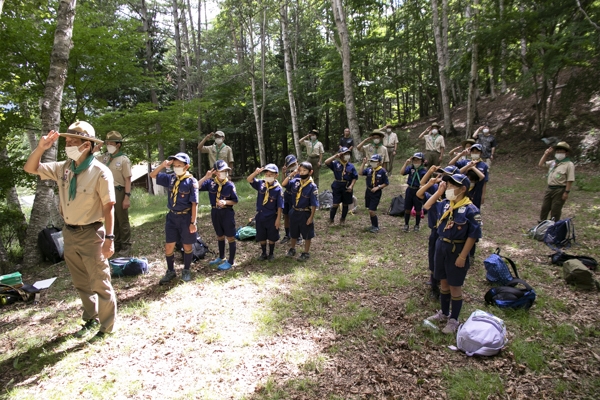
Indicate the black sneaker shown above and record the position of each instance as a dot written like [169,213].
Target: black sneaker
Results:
[87,328]
[406,228]
[169,276]
[291,253]
[98,337]
[186,275]
[304,257]
[270,257]
[285,240]
[416,229]
[262,257]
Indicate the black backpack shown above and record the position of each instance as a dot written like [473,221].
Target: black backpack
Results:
[510,296]
[9,294]
[397,206]
[559,258]
[126,266]
[199,249]
[50,243]
[560,235]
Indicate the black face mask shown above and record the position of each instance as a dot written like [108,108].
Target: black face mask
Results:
[445,178]
[304,176]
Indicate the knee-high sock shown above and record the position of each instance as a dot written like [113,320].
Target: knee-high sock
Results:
[271,248]
[457,303]
[332,213]
[221,248]
[187,259]
[374,221]
[445,301]
[232,248]
[171,262]
[263,248]
[418,218]
[344,211]
[406,217]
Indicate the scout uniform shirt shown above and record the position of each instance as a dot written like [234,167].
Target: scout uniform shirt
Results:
[414,175]
[218,152]
[434,142]
[390,139]
[380,178]
[463,223]
[314,149]
[120,167]
[341,173]
[560,172]
[186,194]
[476,192]
[95,188]
[268,208]
[380,149]
[309,195]
[227,192]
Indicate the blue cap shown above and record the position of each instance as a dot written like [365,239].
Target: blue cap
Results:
[450,170]
[461,179]
[476,147]
[221,165]
[181,157]
[343,150]
[272,168]
[290,159]
[418,155]
[376,157]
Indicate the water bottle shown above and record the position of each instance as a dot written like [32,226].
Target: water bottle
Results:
[430,325]
[8,299]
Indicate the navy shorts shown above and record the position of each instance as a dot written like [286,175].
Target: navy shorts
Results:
[372,199]
[445,260]
[433,237]
[411,200]
[298,225]
[177,229]
[287,205]
[223,220]
[265,229]
[340,194]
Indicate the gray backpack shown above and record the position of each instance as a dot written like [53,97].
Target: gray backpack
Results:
[539,231]
[483,334]
[576,273]
[325,200]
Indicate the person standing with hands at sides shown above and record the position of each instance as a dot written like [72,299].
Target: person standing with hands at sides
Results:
[86,196]
[458,227]
[305,197]
[218,151]
[375,147]
[434,144]
[413,167]
[561,175]
[269,203]
[346,140]
[120,166]
[390,141]
[180,224]
[342,187]
[487,142]
[314,152]
[377,179]
[222,197]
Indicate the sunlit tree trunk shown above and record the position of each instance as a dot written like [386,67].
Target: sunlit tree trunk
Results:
[472,99]
[178,58]
[441,49]
[503,85]
[12,200]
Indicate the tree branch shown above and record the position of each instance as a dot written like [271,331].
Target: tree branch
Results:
[587,16]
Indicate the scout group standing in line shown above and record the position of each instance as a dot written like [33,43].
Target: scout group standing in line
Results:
[94,201]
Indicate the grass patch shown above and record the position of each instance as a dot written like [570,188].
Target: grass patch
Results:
[470,383]
[529,352]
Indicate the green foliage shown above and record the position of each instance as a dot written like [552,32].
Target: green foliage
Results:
[471,383]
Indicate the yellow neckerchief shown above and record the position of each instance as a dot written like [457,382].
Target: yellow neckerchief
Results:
[176,186]
[302,186]
[220,184]
[374,173]
[343,168]
[453,206]
[267,186]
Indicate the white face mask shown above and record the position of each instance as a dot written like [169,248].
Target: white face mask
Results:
[417,164]
[434,131]
[376,141]
[111,149]
[218,140]
[560,156]
[269,179]
[486,131]
[475,156]
[388,130]
[179,171]
[312,137]
[374,164]
[347,157]
[223,175]
[451,194]
[73,152]
[293,168]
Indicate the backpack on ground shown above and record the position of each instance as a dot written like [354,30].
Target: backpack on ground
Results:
[497,270]
[510,296]
[325,200]
[539,231]
[246,233]
[125,266]
[575,273]
[559,258]
[397,206]
[51,244]
[483,334]
[560,235]
[24,292]
[199,249]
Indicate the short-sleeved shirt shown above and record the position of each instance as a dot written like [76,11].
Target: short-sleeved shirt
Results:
[432,215]
[414,175]
[487,142]
[274,202]
[371,149]
[390,139]
[346,141]
[434,142]
[560,173]
[222,152]
[119,166]
[341,173]
[314,149]
[309,195]
[187,192]
[381,177]
[466,222]
[476,192]
[95,188]
[227,191]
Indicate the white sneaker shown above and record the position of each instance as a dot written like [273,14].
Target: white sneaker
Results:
[438,317]
[451,327]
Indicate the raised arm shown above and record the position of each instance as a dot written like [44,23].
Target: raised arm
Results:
[542,162]
[33,161]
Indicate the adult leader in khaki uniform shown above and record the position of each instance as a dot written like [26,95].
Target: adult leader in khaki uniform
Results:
[561,175]
[314,152]
[434,144]
[86,196]
[120,166]
[375,147]
[218,151]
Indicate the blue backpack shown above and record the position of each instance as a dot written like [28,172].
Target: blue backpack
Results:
[560,235]
[124,266]
[510,296]
[497,270]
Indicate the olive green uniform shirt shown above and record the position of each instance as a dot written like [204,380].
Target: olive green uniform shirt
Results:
[119,166]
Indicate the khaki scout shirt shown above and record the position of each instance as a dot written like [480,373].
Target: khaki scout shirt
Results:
[95,189]
[390,140]
[560,174]
[119,166]
[222,152]
[434,142]
[314,149]
[370,149]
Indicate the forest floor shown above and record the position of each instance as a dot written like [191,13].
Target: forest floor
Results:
[345,325]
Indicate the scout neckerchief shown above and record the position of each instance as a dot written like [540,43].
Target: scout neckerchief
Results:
[453,206]
[76,170]
[312,144]
[556,163]
[218,150]
[373,176]
[220,184]
[302,186]
[267,186]
[416,175]
[343,168]
[113,156]
[175,190]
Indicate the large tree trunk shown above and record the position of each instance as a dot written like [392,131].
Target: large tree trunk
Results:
[50,114]
[472,99]
[1,5]
[257,113]
[178,58]
[340,23]
[441,47]
[12,200]
[503,86]
[283,12]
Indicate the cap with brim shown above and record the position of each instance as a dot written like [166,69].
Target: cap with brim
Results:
[377,132]
[562,145]
[114,136]
[476,146]
[449,170]
[468,141]
[460,180]
[290,159]
[82,130]
[376,157]
[343,150]
[435,125]
[419,155]
[220,134]
[313,132]
[272,168]
[184,158]
[221,165]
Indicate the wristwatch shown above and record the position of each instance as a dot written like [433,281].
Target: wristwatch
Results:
[194,223]
[109,237]
[127,194]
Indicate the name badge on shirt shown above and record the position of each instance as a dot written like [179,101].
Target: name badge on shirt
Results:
[462,210]
[66,175]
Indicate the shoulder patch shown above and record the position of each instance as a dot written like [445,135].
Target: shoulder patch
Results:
[462,210]
[477,217]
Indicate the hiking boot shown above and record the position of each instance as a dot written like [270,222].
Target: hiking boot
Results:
[451,327]
[304,257]
[374,229]
[270,257]
[124,252]
[217,261]
[87,327]
[291,253]
[99,337]
[169,276]
[186,275]
[438,317]
[285,240]
[225,266]
[263,257]
[416,229]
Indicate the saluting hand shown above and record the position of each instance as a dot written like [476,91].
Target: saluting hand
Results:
[48,140]
[209,174]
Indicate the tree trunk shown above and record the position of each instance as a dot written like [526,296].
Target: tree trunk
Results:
[524,67]
[440,43]
[178,58]
[491,73]
[12,200]
[283,12]
[472,99]
[256,111]
[199,87]
[185,41]
[340,23]
[503,86]
[1,5]
[50,115]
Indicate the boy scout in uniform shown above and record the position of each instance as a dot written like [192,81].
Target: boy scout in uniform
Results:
[120,166]
[434,144]
[413,167]
[375,147]
[561,175]
[218,151]
[344,178]
[314,152]
[377,179]
[87,195]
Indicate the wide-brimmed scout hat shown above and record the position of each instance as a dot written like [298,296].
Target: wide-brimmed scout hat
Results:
[343,150]
[314,132]
[114,136]
[376,157]
[460,180]
[562,145]
[181,157]
[435,125]
[221,165]
[272,168]
[377,132]
[82,130]
[220,134]
[470,142]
